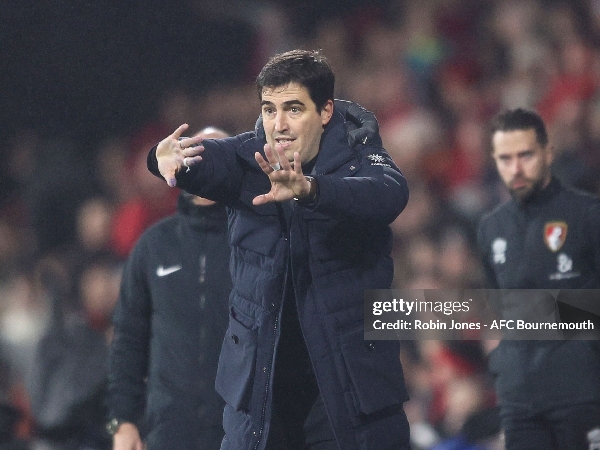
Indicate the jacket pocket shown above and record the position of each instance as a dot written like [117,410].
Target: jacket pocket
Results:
[235,373]
[375,372]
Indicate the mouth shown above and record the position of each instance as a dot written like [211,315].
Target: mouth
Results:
[285,142]
[519,184]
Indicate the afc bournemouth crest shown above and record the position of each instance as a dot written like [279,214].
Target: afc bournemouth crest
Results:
[555,234]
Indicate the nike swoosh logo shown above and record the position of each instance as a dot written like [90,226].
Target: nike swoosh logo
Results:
[162,271]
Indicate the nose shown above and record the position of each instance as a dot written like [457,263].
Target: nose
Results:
[280,122]
[517,167]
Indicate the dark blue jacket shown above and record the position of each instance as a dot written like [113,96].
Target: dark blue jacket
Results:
[337,247]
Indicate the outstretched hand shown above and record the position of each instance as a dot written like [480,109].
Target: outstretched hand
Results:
[175,153]
[287,182]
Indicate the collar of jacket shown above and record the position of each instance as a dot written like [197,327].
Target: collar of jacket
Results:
[206,218]
[334,149]
[542,197]
[549,191]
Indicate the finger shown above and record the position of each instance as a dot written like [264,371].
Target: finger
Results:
[168,166]
[180,129]
[190,161]
[285,164]
[190,142]
[169,177]
[262,199]
[192,151]
[259,200]
[297,163]
[264,165]
[268,150]
[271,155]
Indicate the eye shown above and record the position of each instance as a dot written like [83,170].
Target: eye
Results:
[527,155]
[295,109]
[267,110]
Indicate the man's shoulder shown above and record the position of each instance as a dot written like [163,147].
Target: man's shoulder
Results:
[492,225]
[249,143]
[249,138]
[235,149]
[156,232]
[579,197]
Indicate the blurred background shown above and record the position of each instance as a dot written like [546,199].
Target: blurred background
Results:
[88,87]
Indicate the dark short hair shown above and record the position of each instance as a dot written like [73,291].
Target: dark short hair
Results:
[306,67]
[520,119]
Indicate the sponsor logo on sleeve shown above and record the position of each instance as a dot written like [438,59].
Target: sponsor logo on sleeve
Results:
[378,160]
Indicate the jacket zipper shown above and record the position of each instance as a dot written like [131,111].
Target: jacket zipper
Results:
[285,232]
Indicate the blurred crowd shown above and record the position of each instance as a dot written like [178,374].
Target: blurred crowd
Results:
[433,71]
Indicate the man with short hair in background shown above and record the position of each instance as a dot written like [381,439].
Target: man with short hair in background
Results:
[546,237]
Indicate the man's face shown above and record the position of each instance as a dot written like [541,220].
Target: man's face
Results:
[291,120]
[523,164]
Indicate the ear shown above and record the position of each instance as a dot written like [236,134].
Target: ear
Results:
[327,112]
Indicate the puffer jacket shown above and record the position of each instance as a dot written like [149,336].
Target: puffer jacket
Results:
[338,246]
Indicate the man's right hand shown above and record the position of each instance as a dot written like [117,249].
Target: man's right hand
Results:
[127,437]
[287,182]
[175,153]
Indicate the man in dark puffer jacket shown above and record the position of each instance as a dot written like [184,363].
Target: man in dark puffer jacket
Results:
[309,230]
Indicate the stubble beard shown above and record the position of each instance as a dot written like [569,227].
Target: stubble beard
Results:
[525,195]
